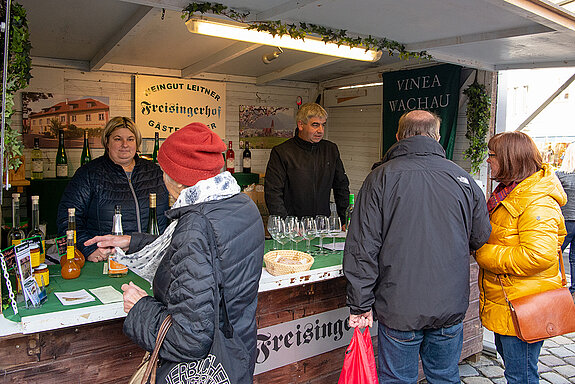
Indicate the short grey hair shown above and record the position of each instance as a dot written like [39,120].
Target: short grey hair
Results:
[309,110]
[419,122]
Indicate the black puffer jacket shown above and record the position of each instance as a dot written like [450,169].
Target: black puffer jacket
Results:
[100,185]
[407,251]
[184,282]
[300,176]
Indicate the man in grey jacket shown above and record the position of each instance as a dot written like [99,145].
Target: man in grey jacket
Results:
[416,219]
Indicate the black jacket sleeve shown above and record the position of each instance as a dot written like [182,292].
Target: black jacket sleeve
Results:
[189,300]
[340,188]
[275,185]
[362,247]
[481,226]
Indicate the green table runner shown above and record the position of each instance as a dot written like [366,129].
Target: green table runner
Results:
[91,277]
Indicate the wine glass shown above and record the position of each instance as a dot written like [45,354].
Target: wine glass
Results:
[334,229]
[322,226]
[296,231]
[291,227]
[273,229]
[309,230]
[282,235]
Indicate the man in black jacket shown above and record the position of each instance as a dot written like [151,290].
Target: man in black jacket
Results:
[416,218]
[302,171]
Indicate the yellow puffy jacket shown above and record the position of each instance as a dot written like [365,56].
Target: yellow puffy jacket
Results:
[528,230]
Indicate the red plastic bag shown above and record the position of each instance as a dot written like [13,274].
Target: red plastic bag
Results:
[359,361]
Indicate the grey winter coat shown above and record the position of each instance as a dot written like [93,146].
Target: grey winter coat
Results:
[416,218]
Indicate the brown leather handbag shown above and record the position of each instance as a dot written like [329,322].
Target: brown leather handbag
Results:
[146,371]
[543,315]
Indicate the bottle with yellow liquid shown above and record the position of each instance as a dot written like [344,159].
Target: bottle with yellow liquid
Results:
[36,231]
[70,269]
[116,269]
[16,234]
[79,256]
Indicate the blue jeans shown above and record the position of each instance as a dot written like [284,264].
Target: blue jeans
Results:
[399,351]
[570,239]
[520,359]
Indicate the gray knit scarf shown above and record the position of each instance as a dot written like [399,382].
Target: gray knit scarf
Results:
[145,262]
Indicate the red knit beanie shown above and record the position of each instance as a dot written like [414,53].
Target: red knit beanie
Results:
[191,154]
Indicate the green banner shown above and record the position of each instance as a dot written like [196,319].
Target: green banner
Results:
[434,89]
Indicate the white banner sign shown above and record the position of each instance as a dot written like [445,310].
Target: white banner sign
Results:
[166,104]
[296,340]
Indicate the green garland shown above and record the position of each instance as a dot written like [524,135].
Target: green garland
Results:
[478,116]
[301,30]
[19,67]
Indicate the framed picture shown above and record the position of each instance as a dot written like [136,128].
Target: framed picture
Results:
[44,114]
[265,127]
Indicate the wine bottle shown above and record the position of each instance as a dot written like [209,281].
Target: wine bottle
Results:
[16,234]
[86,155]
[36,231]
[156,147]
[230,158]
[70,268]
[153,228]
[349,210]
[247,159]
[37,161]
[61,158]
[72,221]
[116,269]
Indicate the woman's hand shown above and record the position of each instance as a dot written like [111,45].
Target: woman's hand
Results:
[132,293]
[106,246]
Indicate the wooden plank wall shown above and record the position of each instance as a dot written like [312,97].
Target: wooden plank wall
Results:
[119,87]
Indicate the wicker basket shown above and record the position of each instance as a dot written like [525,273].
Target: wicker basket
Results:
[285,261]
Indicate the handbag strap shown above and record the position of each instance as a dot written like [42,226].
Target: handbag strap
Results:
[150,373]
[563,278]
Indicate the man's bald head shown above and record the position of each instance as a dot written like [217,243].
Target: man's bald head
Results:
[418,122]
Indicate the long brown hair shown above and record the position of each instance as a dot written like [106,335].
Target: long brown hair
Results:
[517,156]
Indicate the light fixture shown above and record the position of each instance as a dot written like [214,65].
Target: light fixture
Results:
[237,31]
[272,56]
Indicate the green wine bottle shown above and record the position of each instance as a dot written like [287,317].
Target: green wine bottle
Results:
[152,218]
[61,158]
[156,148]
[37,161]
[86,155]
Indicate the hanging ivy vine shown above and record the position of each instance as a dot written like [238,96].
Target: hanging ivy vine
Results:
[478,116]
[18,77]
[301,30]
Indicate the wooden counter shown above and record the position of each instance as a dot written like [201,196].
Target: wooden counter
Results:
[88,346]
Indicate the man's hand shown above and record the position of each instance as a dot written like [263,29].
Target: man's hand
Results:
[132,293]
[363,320]
[99,254]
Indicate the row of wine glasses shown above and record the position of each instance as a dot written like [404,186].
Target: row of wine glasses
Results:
[306,228]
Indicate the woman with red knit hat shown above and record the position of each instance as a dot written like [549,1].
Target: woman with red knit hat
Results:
[216,233]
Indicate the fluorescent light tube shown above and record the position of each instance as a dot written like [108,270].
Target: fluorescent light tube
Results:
[310,44]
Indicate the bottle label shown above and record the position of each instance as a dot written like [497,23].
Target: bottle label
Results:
[16,241]
[247,162]
[70,252]
[116,268]
[37,165]
[62,170]
[230,163]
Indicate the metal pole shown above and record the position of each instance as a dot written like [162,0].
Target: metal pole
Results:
[4,85]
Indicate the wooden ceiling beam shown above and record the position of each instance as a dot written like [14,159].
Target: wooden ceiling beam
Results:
[129,30]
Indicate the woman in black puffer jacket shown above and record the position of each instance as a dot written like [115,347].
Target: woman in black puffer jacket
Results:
[119,177]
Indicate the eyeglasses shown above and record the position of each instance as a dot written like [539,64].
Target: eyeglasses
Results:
[491,154]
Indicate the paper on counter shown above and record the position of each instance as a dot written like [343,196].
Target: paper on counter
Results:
[329,245]
[107,294]
[74,297]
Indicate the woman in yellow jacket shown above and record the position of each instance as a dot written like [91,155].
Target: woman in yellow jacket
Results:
[522,252]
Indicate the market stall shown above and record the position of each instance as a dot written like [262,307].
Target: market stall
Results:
[84,343]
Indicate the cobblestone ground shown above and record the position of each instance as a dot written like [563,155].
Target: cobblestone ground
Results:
[556,364]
